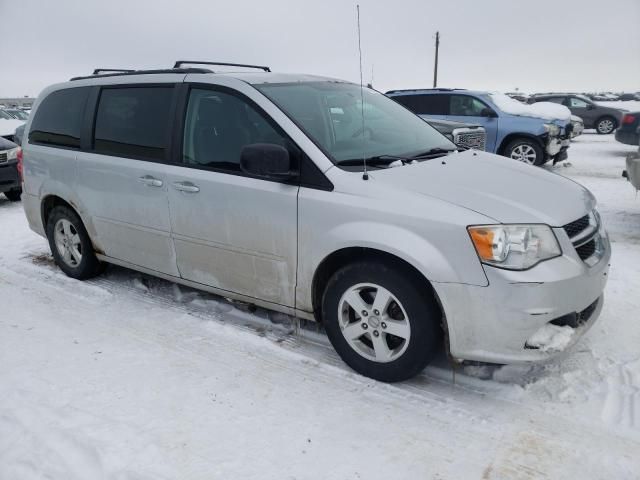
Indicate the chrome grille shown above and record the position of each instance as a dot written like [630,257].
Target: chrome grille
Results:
[3,157]
[470,138]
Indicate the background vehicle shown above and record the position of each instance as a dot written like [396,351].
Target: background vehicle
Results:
[628,132]
[8,125]
[604,119]
[260,194]
[521,97]
[578,126]
[629,96]
[513,129]
[464,135]
[17,113]
[9,173]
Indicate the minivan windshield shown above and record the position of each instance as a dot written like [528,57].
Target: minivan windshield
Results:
[330,113]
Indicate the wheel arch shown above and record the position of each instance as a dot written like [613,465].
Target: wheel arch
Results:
[513,136]
[339,258]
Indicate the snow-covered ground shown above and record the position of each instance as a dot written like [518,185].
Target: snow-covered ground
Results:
[127,377]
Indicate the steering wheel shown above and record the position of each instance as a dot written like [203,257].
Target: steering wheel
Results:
[362,130]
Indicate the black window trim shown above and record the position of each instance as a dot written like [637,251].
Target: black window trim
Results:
[321,181]
[92,115]
[82,127]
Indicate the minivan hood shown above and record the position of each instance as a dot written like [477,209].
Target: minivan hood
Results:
[498,187]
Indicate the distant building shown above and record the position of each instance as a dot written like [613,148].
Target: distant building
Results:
[22,102]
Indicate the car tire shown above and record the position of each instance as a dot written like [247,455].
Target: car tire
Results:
[525,150]
[606,125]
[70,244]
[13,195]
[361,334]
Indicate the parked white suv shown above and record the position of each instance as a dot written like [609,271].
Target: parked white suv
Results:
[252,186]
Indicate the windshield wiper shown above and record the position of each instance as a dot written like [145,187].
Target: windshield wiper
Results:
[377,161]
[385,160]
[433,153]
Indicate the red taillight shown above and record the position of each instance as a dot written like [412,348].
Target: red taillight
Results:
[19,165]
[628,119]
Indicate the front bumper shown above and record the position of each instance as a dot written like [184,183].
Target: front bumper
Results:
[493,323]
[9,177]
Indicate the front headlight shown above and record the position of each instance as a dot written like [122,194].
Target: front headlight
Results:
[514,247]
[552,130]
[12,154]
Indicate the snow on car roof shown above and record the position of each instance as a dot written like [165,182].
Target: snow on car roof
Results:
[546,110]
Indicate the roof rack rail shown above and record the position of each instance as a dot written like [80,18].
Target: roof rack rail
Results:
[98,71]
[179,63]
[144,72]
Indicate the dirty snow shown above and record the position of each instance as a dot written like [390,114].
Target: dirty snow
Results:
[552,338]
[128,377]
[545,110]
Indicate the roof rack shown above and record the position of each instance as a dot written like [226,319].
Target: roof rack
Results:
[426,89]
[179,63]
[98,71]
[143,72]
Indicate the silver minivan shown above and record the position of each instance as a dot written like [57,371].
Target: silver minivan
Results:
[253,186]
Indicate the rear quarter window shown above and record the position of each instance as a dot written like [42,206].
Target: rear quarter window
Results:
[58,120]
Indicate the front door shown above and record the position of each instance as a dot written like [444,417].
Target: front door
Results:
[231,231]
[582,109]
[467,109]
[122,183]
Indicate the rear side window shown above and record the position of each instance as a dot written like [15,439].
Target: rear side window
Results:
[424,104]
[58,120]
[133,122]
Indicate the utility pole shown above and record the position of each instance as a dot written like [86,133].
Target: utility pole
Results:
[435,67]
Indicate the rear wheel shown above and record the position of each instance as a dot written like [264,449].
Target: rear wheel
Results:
[13,195]
[70,244]
[525,150]
[380,321]
[605,125]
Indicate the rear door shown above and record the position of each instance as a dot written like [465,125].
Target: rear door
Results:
[232,231]
[468,109]
[122,179]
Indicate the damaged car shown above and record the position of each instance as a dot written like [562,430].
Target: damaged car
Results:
[515,130]
[378,226]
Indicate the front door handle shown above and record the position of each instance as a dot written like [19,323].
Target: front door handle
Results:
[186,187]
[150,181]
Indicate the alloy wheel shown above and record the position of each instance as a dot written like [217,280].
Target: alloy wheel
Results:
[524,153]
[374,322]
[606,126]
[68,242]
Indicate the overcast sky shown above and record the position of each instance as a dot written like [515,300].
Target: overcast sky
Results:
[533,45]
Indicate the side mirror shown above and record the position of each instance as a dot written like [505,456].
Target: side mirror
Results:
[590,106]
[488,112]
[266,160]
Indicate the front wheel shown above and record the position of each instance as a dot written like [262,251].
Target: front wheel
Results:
[382,323]
[605,125]
[525,150]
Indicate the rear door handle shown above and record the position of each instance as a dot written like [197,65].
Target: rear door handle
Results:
[150,181]
[186,187]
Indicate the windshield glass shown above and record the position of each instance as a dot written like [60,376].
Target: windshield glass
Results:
[330,113]
[5,115]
